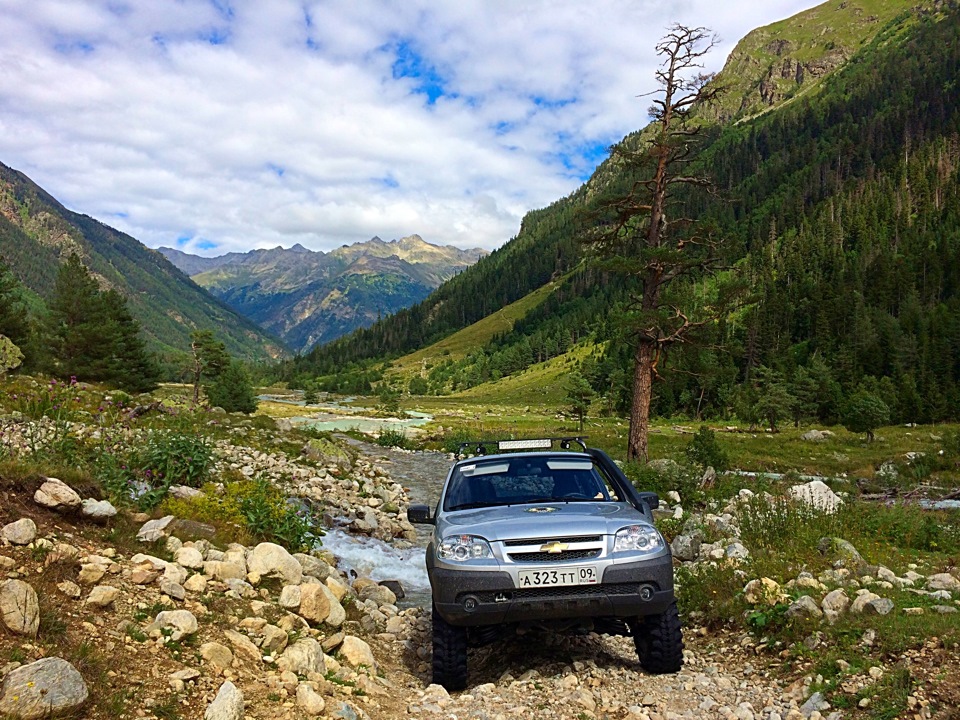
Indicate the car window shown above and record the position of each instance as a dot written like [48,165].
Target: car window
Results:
[525,479]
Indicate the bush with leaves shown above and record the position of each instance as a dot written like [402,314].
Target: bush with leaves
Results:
[704,450]
[232,390]
[864,413]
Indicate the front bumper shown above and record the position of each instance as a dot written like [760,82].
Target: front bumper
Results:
[468,597]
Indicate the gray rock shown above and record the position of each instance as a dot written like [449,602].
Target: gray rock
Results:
[21,532]
[943,581]
[274,639]
[736,551]
[860,602]
[878,606]
[102,596]
[309,700]
[817,494]
[944,609]
[686,547]
[846,554]
[804,607]
[834,605]
[357,652]
[312,566]
[815,435]
[181,622]
[173,589]
[50,687]
[302,658]
[184,492]
[395,587]
[98,510]
[815,702]
[218,656]
[290,597]
[19,607]
[154,530]
[189,557]
[57,495]
[227,705]
[271,560]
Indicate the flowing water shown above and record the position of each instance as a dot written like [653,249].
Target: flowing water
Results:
[422,474]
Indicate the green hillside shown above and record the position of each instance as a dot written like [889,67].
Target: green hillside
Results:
[37,232]
[840,209]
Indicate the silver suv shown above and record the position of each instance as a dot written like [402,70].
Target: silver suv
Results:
[539,534]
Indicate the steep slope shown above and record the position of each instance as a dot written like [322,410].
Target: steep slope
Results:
[307,297]
[37,232]
[839,207]
[547,246]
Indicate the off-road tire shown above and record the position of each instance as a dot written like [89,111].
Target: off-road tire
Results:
[659,641]
[449,654]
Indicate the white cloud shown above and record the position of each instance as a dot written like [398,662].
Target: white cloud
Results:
[239,123]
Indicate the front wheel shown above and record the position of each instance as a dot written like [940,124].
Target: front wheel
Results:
[449,654]
[659,641]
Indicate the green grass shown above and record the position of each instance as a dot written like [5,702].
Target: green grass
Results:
[465,341]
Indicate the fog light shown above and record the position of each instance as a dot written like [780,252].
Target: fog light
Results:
[470,604]
[646,592]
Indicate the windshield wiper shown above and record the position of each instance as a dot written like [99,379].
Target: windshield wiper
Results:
[472,506]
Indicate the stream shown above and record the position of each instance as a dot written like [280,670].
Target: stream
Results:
[422,473]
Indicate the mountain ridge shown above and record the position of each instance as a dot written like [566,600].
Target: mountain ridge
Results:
[306,296]
[37,232]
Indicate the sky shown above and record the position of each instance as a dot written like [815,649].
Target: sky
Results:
[226,125]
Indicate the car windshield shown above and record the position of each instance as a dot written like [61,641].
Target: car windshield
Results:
[524,479]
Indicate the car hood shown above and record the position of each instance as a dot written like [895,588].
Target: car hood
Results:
[544,520]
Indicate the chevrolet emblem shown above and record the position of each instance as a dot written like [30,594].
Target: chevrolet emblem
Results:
[554,548]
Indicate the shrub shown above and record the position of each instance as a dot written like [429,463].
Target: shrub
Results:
[169,459]
[254,510]
[704,450]
[390,437]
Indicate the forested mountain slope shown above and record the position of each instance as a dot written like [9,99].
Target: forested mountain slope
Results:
[841,208]
[37,233]
[305,297]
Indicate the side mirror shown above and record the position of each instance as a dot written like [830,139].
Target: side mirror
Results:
[651,499]
[419,514]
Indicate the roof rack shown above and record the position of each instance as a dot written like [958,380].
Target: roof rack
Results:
[482,447]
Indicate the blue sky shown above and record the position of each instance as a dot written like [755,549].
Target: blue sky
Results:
[225,125]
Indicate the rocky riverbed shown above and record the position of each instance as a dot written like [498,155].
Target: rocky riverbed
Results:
[109,615]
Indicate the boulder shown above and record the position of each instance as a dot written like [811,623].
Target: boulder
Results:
[50,687]
[290,597]
[102,596]
[309,700]
[57,495]
[302,658]
[313,566]
[315,602]
[834,605]
[943,581]
[860,602]
[356,653]
[686,547]
[154,530]
[243,646]
[218,656]
[181,622]
[272,560]
[804,607]
[21,532]
[817,494]
[878,606]
[845,553]
[227,705]
[189,557]
[274,639]
[764,591]
[19,607]
[195,584]
[98,510]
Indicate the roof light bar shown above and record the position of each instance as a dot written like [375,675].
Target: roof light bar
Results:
[545,443]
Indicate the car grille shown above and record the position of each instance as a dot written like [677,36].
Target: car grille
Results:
[545,557]
[578,591]
[544,541]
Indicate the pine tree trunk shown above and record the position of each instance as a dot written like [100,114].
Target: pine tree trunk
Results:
[644,360]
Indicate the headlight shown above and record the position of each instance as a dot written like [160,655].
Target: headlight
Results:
[463,547]
[638,538]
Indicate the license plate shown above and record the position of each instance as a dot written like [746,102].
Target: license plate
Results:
[584,575]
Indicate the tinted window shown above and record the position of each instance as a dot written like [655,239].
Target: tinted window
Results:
[525,479]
